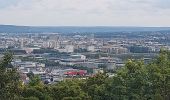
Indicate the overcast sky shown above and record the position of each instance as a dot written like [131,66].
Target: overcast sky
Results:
[85,12]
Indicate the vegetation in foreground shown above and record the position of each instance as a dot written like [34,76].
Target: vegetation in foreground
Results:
[135,81]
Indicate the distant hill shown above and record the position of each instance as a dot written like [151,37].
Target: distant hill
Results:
[74,29]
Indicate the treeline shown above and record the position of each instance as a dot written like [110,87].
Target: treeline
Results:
[135,81]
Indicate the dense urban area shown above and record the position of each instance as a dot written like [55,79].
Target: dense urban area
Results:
[85,66]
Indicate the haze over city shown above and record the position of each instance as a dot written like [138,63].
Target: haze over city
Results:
[85,12]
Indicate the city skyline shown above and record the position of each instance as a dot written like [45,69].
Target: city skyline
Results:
[85,12]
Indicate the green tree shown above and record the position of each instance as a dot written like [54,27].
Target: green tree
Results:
[68,90]
[129,82]
[35,81]
[95,86]
[9,84]
[139,81]
[159,76]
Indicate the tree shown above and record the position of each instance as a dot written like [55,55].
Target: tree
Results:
[9,84]
[159,76]
[139,81]
[69,90]
[95,86]
[134,81]
[35,81]
[128,83]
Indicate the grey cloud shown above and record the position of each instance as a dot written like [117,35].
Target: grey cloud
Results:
[88,12]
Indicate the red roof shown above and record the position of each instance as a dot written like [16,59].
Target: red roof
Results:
[80,72]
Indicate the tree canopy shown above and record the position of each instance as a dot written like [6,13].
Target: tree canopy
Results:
[135,81]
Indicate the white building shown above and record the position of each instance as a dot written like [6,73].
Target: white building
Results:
[91,48]
[69,48]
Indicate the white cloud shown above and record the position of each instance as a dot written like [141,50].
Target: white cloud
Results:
[88,12]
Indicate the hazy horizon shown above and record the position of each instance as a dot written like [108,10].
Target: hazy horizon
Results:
[130,26]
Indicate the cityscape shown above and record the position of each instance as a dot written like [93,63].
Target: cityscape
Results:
[84,50]
[59,56]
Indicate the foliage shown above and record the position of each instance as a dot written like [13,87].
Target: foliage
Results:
[35,81]
[135,81]
[9,79]
[69,90]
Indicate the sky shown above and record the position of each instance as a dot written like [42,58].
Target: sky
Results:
[85,12]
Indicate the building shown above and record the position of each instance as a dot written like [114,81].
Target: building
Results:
[69,48]
[91,48]
[114,49]
[26,67]
[73,59]
[107,62]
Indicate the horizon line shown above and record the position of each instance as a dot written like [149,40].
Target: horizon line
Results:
[84,26]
